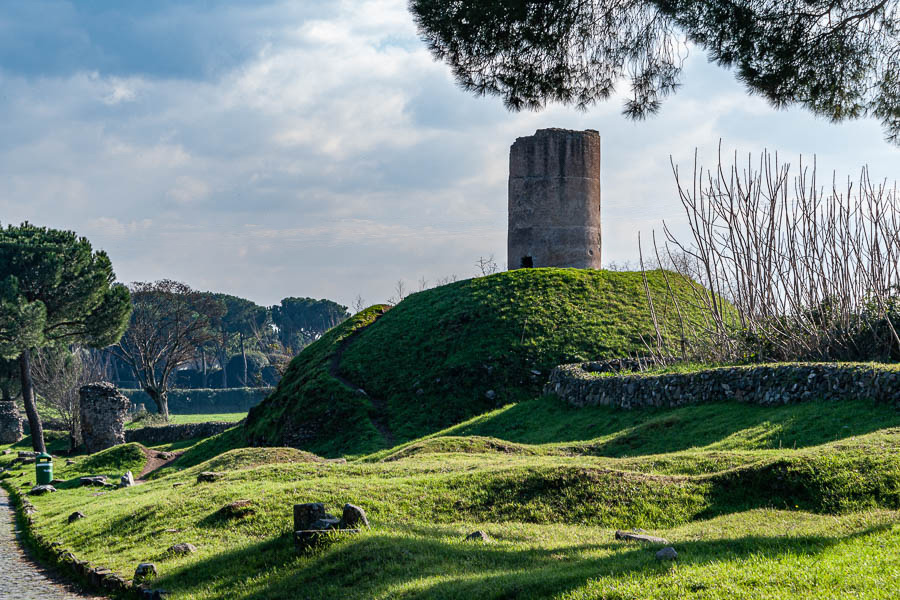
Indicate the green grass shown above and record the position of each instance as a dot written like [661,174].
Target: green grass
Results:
[788,502]
[203,418]
[312,410]
[447,354]
[750,515]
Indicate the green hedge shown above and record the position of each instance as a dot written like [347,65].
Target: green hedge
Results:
[204,401]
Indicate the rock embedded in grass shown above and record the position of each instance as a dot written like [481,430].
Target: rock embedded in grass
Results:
[75,516]
[478,536]
[127,480]
[667,553]
[353,517]
[236,510]
[145,572]
[630,536]
[94,480]
[40,490]
[209,476]
[182,549]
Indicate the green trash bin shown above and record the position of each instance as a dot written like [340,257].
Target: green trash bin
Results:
[43,468]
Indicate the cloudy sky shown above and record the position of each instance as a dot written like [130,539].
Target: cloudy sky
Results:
[314,148]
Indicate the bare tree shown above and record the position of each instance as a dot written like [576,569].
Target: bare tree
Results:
[487,266]
[170,320]
[399,293]
[789,269]
[59,373]
[359,303]
[446,279]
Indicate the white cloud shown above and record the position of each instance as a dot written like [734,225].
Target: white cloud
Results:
[336,157]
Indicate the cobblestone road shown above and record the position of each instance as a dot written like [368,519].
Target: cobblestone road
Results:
[21,579]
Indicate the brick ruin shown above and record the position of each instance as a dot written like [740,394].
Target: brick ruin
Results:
[554,200]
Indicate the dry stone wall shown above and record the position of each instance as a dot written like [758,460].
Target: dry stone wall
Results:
[167,434]
[10,423]
[103,414]
[584,385]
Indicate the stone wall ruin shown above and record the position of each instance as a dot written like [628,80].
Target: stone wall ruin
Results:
[554,200]
[103,414]
[769,385]
[10,423]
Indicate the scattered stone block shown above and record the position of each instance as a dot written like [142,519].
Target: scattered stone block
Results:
[209,477]
[667,553]
[329,522]
[353,517]
[127,480]
[93,480]
[182,549]
[478,536]
[145,572]
[313,526]
[114,582]
[40,490]
[69,462]
[236,510]
[631,536]
[307,514]
[76,516]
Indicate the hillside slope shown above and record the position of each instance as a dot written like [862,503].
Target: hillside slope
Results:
[446,354]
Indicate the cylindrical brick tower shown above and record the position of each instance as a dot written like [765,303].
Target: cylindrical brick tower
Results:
[554,200]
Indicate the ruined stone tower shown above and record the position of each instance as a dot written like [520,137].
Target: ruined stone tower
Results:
[554,200]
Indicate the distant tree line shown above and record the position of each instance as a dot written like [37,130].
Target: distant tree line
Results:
[179,337]
[64,322]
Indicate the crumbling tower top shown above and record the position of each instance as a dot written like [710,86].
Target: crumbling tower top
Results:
[554,200]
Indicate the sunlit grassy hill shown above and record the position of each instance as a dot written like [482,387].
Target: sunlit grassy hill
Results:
[447,354]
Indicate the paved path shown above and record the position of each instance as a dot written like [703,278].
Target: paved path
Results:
[20,578]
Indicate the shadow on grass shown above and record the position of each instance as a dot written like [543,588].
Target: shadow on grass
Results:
[427,565]
[653,431]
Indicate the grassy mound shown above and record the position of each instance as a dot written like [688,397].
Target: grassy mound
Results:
[446,354]
[244,458]
[113,462]
[469,445]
